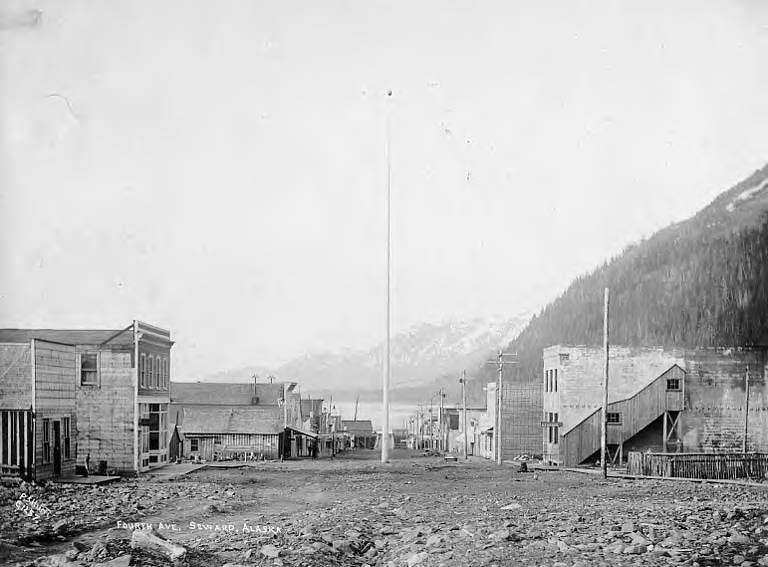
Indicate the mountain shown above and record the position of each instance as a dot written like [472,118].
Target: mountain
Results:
[698,283]
[420,357]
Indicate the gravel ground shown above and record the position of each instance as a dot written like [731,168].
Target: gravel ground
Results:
[414,511]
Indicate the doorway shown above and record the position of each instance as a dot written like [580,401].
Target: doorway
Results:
[57,448]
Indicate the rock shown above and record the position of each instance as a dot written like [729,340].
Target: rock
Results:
[343,545]
[59,560]
[635,549]
[417,558]
[150,540]
[739,539]
[628,527]
[270,551]
[122,561]
[435,539]
[739,559]
[512,506]
[60,526]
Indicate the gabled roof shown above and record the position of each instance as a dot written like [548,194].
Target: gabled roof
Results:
[212,393]
[250,420]
[359,426]
[269,394]
[68,336]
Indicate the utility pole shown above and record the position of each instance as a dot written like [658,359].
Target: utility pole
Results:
[500,362]
[746,408]
[440,417]
[463,381]
[604,412]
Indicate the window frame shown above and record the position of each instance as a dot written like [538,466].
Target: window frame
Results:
[66,430]
[194,445]
[96,372]
[678,388]
[46,440]
[143,370]
[616,421]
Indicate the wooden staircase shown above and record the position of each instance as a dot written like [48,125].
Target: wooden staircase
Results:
[637,412]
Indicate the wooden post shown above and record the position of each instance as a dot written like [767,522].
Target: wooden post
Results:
[604,412]
[498,408]
[665,433]
[464,410]
[746,408]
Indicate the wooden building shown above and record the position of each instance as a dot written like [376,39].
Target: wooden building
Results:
[247,410]
[665,400]
[361,433]
[37,407]
[122,378]
[223,433]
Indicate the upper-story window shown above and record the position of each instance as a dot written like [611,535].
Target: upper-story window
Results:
[613,417]
[89,368]
[673,384]
[143,371]
[151,362]
[555,380]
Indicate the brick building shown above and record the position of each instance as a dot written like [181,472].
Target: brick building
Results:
[659,399]
[121,393]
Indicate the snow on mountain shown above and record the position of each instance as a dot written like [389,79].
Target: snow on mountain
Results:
[419,355]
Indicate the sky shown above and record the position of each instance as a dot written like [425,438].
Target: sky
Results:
[219,169]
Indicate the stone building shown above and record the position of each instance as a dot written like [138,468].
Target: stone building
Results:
[662,400]
[122,379]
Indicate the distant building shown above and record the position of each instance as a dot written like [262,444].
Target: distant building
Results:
[238,420]
[664,400]
[361,433]
[121,394]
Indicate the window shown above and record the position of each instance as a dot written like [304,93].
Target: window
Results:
[167,373]
[46,440]
[65,424]
[556,432]
[613,418]
[193,446]
[143,371]
[89,368]
[673,384]
[555,381]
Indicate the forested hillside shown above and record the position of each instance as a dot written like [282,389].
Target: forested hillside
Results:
[702,282]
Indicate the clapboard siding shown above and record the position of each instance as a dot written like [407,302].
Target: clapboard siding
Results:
[55,400]
[16,371]
[210,445]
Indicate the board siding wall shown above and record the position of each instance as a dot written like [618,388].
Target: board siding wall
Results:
[55,398]
[105,413]
[16,372]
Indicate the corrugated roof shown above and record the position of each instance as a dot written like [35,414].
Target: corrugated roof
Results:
[253,420]
[67,336]
[228,394]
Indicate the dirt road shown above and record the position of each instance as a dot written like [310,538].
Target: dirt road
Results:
[414,511]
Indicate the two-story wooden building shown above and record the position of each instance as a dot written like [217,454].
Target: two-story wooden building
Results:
[121,392]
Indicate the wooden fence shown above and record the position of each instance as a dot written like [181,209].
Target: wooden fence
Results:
[699,465]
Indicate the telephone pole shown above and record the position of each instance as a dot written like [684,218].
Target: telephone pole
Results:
[463,381]
[746,408]
[500,362]
[604,412]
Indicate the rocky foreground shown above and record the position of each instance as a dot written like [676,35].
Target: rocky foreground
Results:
[416,511]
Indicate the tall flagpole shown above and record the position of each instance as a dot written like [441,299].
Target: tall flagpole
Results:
[385,377]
